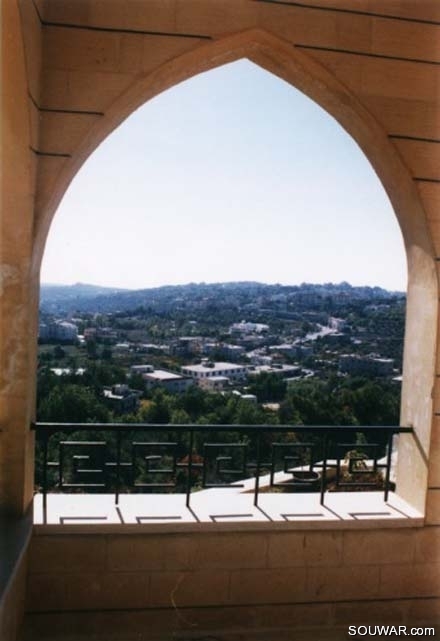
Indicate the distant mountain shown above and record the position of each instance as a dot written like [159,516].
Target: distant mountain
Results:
[72,294]
[62,299]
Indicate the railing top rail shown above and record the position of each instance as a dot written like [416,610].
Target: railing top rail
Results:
[45,427]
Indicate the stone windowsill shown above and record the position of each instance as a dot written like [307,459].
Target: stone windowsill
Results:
[221,509]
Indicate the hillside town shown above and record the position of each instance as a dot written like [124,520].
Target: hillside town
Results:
[226,340]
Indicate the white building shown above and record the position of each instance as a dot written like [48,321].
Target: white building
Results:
[339,324]
[288,349]
[366,365]
[121,398]
[214,383]
[283,371]
[207,369]
[170,381]
[62,331]
[248,328]
[141,369]
[67,371]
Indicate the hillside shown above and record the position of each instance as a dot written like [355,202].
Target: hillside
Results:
[59,299]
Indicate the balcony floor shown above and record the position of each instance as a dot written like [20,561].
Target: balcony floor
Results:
[224,509]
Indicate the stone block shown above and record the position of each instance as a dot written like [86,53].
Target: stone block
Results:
[83,90]
[72,11]
[54,89]
[405,39]
[382,77]
[67,554]
[434,454]
[427,545]
[150,552]
[436,399]
[186,589]
[378,547]
[268,586]
[296,25]
[155,15]
[418,580]
[33,40]
[423,612]
[231,550]
[108,625]
[217,618]
[292,615]
[109,591]
[409,117]
[131,47]
[335,30]
[421,158]
[399,79]
[346,68]
[369,613]
[214,19]
[433,507]
[406,9]
[46,592]
[153,55]
[430,195]
[96,91]
[305,549]
[49,170]
[80,49]
[342,584]
[63,132]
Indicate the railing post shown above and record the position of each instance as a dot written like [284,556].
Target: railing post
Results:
[188,484]
[257,471]
[388,472]
[45,455]
[118,466]
[324,467]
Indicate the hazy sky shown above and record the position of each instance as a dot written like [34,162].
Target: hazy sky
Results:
[232,175]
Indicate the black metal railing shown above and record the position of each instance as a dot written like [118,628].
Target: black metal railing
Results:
[147,458]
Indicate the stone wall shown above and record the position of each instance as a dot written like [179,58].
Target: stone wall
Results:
[131,585]
[82,67]
[12,605]
[75,69]
[14,541]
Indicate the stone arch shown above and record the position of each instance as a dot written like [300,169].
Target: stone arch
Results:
[296,67]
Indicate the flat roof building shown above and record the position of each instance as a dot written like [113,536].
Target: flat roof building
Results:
[169,380]
[208,369]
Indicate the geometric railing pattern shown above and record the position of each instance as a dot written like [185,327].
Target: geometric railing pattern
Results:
[119,458]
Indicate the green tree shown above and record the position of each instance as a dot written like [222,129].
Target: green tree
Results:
[92,351]
[180,417]
[158,409]
[72,403]
[59,353]
[268,387]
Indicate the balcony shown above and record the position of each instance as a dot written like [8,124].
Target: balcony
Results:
[187,475]
[160,531]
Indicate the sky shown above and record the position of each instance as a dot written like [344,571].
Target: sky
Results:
[231,175]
